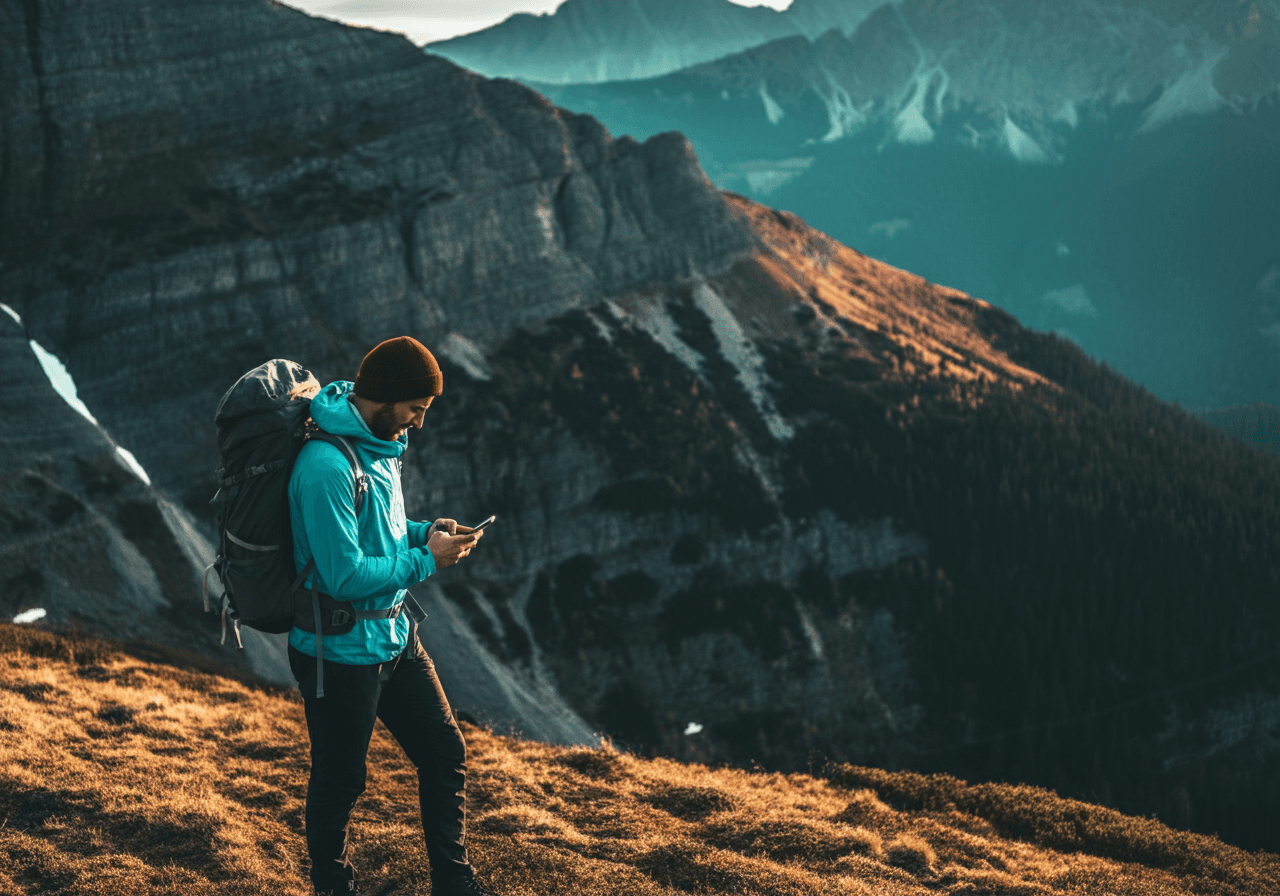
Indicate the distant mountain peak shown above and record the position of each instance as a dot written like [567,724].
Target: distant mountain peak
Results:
[591,41]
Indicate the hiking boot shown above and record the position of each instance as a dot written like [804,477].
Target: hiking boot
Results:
[463,885]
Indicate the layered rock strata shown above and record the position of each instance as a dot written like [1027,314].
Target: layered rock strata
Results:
[166,227]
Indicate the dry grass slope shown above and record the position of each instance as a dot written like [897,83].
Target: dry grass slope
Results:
[123,775]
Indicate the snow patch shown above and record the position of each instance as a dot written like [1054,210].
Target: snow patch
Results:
[811,633]
[843,116]
[1192,94]
[889,228]
[601,327]
[766,175]
[910,125]
[30,616]
[546,217]
[772,110]
[654,320]
[463,352]
[1067,114]
[745,453]
[741,352]
[131,463]
[693,728]
[61,380]
[1020,144]
[9,311]
[942,92]
[1073,300]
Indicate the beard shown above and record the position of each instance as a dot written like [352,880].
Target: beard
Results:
[384,424]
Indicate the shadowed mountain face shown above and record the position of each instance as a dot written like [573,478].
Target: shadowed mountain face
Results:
[164,228]
[81,536]
[1101,170]
[586,41]
[760,498]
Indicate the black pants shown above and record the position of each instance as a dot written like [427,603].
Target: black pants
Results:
[406,694]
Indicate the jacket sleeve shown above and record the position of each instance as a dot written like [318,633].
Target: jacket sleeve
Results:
[329,517]
[418,533]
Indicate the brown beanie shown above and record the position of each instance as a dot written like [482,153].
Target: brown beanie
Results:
[399,369]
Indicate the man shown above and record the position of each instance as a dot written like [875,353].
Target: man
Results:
[377,669]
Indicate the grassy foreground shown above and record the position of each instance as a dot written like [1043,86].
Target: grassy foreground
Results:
[121,774]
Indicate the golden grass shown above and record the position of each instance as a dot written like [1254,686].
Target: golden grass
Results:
[122,775]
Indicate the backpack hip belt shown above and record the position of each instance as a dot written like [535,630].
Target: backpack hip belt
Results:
[342,617]
[337,617]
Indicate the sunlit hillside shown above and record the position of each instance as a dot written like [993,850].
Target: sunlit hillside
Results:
[122,773]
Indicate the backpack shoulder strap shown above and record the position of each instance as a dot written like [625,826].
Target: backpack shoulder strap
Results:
[343,444]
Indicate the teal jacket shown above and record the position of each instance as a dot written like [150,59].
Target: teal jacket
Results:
[370,561]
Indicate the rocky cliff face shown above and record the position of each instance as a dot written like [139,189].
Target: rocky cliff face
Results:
[759,496]
[163,227]
[82,537]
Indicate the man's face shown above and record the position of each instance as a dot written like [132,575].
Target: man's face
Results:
[393,419]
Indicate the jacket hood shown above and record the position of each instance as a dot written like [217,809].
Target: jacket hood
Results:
[333,412]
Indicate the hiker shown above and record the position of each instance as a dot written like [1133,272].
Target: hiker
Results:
[374,668]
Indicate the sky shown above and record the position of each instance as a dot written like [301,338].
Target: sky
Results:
[427,20]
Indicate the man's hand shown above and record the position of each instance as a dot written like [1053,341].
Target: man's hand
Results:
[449,549]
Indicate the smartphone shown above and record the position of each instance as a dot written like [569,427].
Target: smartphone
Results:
[484,524]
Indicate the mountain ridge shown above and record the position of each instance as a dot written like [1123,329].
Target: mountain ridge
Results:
[592,40]
[1095,170]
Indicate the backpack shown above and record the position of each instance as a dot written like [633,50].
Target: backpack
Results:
[263,421]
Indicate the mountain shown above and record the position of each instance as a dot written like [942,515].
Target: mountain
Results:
[586,41]
[86,543]
[761,498]
[124,774]
[1101,170]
